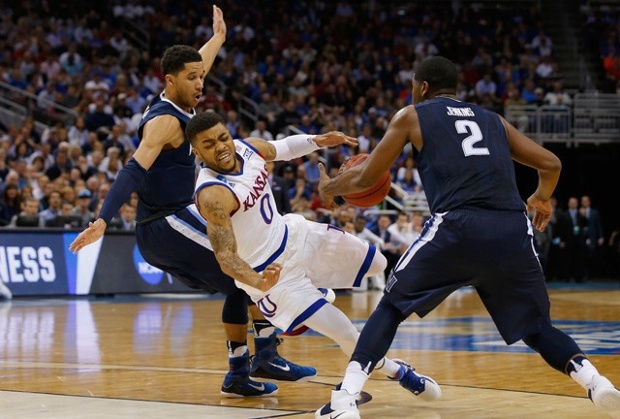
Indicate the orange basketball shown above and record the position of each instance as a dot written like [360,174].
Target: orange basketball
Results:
[371,196]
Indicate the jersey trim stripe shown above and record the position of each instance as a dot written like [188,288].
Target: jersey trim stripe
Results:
[306,314]
[186,229]
[275,254]
[424,238]
[365,265]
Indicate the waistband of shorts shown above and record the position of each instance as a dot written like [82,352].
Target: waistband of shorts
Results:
[156,216]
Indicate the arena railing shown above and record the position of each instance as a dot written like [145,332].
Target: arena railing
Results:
[593,118]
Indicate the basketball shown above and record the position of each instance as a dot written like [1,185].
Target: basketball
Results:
[371,196]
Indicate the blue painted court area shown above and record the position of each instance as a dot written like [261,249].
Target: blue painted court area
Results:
[478,334]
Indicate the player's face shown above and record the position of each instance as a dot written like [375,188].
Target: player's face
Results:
[188,84]
[216,149]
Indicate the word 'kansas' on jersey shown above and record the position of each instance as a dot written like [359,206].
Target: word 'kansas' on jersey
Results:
[465,160]
[259,228]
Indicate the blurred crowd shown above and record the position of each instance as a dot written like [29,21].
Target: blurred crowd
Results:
[310,66]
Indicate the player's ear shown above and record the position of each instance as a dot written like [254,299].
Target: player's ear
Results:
[424,88]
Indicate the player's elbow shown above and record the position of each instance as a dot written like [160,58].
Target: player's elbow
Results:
[553,164]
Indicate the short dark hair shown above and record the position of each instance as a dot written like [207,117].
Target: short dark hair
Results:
[440,74]
[202,122]
[176,57]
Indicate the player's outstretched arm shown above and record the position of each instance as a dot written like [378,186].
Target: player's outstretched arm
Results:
[215,203]
[299,145]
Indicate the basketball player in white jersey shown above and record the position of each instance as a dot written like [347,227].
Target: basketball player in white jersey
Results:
[248,235]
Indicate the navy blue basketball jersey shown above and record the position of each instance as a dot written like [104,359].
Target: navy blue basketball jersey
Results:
[465,159]
[170,180]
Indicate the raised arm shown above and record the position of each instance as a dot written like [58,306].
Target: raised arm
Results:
[210,49]
[215,203]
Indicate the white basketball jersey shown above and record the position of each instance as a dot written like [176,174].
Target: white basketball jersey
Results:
[259,228]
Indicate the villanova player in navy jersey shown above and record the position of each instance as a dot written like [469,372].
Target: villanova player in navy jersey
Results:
[169,231]
[478,234]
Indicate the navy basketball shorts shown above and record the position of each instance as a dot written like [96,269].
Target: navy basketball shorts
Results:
[490,250]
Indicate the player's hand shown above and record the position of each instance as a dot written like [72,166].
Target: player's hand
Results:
[93,233]
[326,198]
[542,211]
[271,275]
[332,138]
[219,26]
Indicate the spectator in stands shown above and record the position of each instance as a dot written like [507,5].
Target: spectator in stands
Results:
[4,167]
[268,109]
[68,194]
[311,167]
[29,215]
[288,116]
[576,241]
[512,96]
[301,188]
[119,139]
[594,236]
[375,282]
[402,235]
[12,178]
[528,93]
[557,96]
[542,45]
[102,191]
[233,123]
[111,163]
[390,249]
[61,167]
[78,133]
[559,225]
[260,130]
[486,86]
[71,61]
[53,209]
[11,201]
[126,220]
[545,67]
[44,153]
[98,118]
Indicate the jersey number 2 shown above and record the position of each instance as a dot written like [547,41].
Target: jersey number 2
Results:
[465,126]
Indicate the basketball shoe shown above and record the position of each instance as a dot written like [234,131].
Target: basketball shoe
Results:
[422,386]
[267,363]
[237,382]
[342,406]
[603,394]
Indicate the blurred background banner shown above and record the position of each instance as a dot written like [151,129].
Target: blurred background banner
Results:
[38,262]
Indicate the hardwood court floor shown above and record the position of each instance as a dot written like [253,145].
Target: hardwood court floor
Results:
[164,356]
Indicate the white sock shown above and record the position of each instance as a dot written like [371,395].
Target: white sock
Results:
[354,378]
[239,351]
[388,367]
[583,373]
